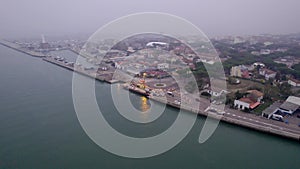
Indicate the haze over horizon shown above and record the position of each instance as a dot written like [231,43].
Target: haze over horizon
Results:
[31,18]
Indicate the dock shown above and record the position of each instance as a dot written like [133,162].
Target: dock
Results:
[79,70]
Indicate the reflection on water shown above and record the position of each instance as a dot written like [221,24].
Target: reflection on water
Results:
[145,105]
[42,127]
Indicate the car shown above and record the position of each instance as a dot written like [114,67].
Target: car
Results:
[170,93]
[298,115]
[213,110]
[277,117]
[177,102]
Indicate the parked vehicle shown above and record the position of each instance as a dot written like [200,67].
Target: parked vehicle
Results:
[277,117]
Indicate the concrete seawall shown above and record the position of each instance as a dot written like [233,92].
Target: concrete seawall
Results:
[262,128]
[61,64]
[229,120]
[15,47]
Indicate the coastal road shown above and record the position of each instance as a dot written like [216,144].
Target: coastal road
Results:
[238,117]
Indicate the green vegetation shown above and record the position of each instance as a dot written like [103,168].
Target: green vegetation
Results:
[239,95]
[261,108]
[296,67]
[247,58]
[200,71]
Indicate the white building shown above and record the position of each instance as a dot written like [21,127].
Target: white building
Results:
[246,102]
[267,73]
[119,65]
[294,82]
[291,105]
[238,40]
[265,51]
[268,112]
[153,44]
[235,71]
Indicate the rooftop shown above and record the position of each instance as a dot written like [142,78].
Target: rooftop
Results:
[252,103]
[268,71]
[295,80]
[289,106]
[294,100]
[271,108]
[246,100]
[255,93]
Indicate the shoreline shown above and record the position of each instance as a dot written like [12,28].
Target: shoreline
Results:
[237,122]
[99,78]
[28,52]
[252,126]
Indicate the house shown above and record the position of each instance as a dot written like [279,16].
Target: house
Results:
[294,82]
[246,74]
[255,95]
[241,71]
[235,71]
[291,105]
[265,51]
[256,53]
[119,65]
[267,73]
[250,101]
[248,67]
[246,102]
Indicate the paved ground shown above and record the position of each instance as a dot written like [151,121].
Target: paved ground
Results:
[186,98]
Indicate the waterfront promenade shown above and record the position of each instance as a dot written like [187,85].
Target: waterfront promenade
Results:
[230,116]
[236,117]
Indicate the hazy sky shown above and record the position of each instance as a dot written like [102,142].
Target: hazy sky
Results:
[25,18]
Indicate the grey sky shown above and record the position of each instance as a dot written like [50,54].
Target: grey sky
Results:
[24,18]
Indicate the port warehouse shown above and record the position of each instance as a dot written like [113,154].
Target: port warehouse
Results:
[277,109]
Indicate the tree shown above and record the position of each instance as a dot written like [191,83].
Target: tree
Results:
[285,89]
[238,95]
[268,92]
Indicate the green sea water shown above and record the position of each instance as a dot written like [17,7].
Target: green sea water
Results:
[39,128]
